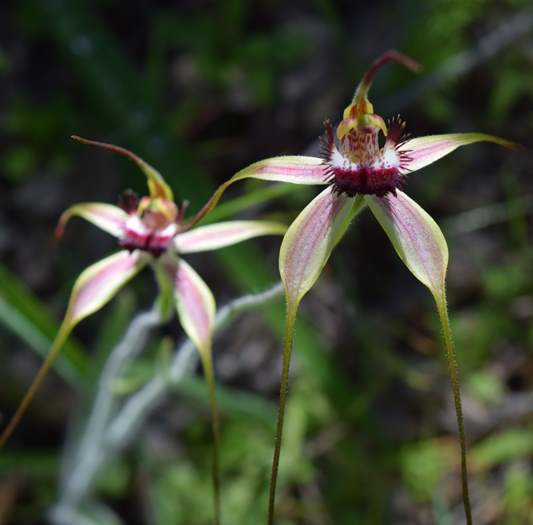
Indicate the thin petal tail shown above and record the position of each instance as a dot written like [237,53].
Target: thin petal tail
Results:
[156,184]
[421,246]
[107,217]
[222,234]
[292,169]
[96,286]
[422,151]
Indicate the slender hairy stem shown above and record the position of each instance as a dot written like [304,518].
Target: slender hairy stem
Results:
[283,391]
[88,449]
[207,364]
[453,370]
[128,418]
[39,378]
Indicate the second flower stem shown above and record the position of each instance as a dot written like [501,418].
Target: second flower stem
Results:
[207,364]
[283,392]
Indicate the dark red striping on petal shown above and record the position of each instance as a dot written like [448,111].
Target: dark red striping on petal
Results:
[151,242]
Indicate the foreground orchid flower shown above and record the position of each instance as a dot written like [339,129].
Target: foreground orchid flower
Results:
[359,172]
[151,231]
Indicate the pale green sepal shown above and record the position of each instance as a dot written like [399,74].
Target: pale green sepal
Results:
[195,306]
[309,241]
[416,238]
[96,286]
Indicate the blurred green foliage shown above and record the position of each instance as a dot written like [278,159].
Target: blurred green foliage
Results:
[201,90]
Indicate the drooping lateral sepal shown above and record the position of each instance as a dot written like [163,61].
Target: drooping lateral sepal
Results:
[99,283]
[195,305]
[222,234]
[308,243]
[422,151]
[416,237]
[107,217]
[96,286]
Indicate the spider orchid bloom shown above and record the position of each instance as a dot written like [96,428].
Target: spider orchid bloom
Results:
[360,172]
[150,231]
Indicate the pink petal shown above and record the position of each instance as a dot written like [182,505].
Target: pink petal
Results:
[415,236]
[195,305]
[422,151]
[309,241]
[92,290]
[99,283]
[106,216]
[294,169]
[219,235]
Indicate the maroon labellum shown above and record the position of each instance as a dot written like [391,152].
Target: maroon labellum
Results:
[360,166]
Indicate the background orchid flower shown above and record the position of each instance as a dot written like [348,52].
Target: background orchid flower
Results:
[151,231]
[358,171]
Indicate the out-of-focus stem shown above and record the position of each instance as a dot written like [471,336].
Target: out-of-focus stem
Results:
[283,393]
[207,364]
[121,426]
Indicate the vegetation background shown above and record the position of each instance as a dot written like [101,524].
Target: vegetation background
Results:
[200,89]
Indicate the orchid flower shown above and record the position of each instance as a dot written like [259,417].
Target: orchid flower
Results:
[357,172]
[151,231]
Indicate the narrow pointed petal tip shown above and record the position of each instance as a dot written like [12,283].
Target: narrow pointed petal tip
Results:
[195,306]
[107,217]
[422,151]
[416,237]
[156,184]
[222,234]
[309,241]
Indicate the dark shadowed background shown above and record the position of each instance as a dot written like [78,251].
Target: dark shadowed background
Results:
[200,89]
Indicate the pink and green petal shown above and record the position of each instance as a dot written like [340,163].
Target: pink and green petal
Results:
[96,286]
[416,237]
[99,283]
[222,234]
[107,217]
[297,169]
[156,184]
[308,243]
[195,305]
[422,151]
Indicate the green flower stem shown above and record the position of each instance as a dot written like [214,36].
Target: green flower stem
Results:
[292,310]
[207,364]
[453,370]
